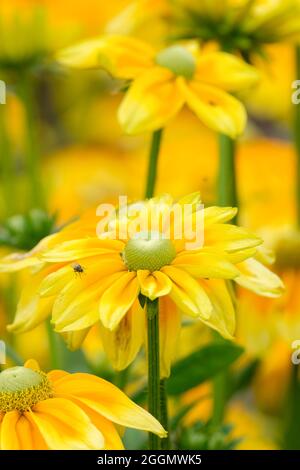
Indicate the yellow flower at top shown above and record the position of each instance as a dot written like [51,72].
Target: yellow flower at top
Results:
[84,277]
[62,411]
[236,25]
[161,82]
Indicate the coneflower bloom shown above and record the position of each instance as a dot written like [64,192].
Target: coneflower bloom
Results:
[62,411]
[161,82]
[84,278]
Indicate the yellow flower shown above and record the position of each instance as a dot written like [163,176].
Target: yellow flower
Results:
[236,25]
[162,82]
[61,411]
[83,278]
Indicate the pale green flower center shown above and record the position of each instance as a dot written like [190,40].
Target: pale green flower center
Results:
[21,388]
[177,59]
[148,252]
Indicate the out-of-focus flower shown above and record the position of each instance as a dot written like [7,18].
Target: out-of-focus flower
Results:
[244,26]
[162,82]
[249,430]
[61,411]
[114,272]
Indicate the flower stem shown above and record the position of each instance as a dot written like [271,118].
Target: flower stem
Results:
[7,167]
[297,138]
[153,368]
[227,196]
[164,417]
[227,188]
[153,161]
[26,93]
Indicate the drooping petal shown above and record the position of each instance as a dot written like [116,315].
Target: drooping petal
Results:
[123,57]
[106,399]
[64,426]
[169,328]
[29,436]
[187,294]
[124,342]
[259,279]
[31,309]
[118,299]
[74,339]
[225,71]
[154,284]
[217,109]
[153,99]
[222,318]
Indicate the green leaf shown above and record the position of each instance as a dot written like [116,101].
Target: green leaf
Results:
[202,365]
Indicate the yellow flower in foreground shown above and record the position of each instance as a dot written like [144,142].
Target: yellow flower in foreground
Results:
[83,278]
[61,411]
[162,82]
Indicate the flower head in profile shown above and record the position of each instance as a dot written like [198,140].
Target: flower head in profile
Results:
[236,25]
[61,411]
[84,278]
[161,82]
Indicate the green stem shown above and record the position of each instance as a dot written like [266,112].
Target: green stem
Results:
[297,138]
[153,368]
[53,346]
[227,196]
[7,167]
[227,188]
[26,93]
[153,162]
[164,416]
[292,412]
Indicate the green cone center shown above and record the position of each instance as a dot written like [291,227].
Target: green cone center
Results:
[148,253]
[21,388]
[177,59]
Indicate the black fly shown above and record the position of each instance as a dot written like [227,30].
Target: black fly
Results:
[78,269]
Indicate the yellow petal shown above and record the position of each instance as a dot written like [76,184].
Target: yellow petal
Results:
[222,318]
[225,71]
[17,261]
[152,100]
[187,294]
[259,279]
[122,344]
[74,339]
[217,215]
[112,440]
[154,284]
[76,249]
[169,328]
[81,296]
[64,426]
[118,299]
[206,264]
[217,109]
[56,374]
[31,309]
[29,435]
[9,439]
[32,364]
[106,399]
[123,57]
[230,238]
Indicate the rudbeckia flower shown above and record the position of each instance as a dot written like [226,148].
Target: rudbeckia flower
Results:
[84,278]
[237,25]
[62,411]
[163,81]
